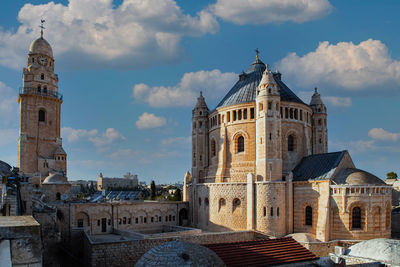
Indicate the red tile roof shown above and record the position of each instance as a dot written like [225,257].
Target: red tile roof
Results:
[263,252]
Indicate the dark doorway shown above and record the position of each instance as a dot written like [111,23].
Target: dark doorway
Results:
[104,225]
[183,217]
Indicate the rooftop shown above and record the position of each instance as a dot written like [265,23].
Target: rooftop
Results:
[245,89]
[262,252]
[17,221]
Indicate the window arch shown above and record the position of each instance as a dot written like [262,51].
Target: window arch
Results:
[42,76]
[39,89]
[213,152]
[235,204]
[58,196]
[308,215]
[206,201]
[42,115]
[356,218]
[240,144]
[291,143]
[221,204]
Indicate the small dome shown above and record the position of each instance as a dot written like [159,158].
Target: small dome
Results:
[55,178]
[316,98]
[379,249]
[41,46]
[5,169]
[360,177]
[177,253]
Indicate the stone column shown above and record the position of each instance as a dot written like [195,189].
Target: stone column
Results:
[290,202]
[250,201]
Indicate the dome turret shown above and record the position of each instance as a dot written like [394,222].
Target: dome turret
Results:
[316,99]
[41,46]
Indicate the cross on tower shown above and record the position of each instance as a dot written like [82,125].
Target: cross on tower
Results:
[42,21]
[257,52]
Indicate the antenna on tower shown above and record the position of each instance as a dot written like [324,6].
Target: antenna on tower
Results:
[42,21]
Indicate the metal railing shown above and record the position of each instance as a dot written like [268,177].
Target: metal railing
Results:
[40,91]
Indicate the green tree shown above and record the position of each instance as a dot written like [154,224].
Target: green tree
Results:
[153,191]
[391,175]
[177,196]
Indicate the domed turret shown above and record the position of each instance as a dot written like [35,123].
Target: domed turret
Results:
[41,46]
[320,131]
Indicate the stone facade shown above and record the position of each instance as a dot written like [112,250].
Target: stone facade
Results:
[244,153]
[39,144]
[129,181]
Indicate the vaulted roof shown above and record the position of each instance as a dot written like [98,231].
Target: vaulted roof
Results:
[264,252]
[245,89]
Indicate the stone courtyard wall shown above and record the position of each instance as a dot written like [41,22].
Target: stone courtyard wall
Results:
[127,253]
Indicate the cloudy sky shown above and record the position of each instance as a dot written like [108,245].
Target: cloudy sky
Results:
[130,71]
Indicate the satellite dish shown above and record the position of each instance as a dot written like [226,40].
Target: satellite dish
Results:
[64,197]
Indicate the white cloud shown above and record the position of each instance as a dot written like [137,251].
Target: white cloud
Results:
[177,141]
[347,65]
[150,121]
[337,101]
[135,34]
[271,11]
[333,101]
[121,153]
[381,134]
[73,135]
[213,83]
[109,136]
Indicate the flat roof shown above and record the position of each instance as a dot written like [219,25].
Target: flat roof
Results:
[17,221]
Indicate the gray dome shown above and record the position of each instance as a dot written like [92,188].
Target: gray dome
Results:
[177,253]
[379,249]
[360,177]
[41,46]
[55,178]
[245,89]
[5,169]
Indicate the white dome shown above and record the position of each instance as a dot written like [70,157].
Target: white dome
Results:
[177,253]
[380,249]
[41,46]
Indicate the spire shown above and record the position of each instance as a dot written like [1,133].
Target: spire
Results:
[42,21]
[257,52]
[316,98]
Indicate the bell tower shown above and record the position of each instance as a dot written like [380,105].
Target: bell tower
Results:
[319,126]
[268,129]
[39,144]
[200,139]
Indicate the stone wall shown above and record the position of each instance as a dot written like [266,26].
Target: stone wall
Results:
[322,249]
[221,206]
[127,253]
[271,208]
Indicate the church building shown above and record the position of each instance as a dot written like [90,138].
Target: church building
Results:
[260,162]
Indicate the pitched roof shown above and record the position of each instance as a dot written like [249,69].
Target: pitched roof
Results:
[264,252]
[245,89]
[318,167]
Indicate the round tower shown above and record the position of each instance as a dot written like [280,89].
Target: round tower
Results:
[319,126]
[200,139]
[268,129]
[40,145]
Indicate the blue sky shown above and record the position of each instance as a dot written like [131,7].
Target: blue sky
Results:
[130,71]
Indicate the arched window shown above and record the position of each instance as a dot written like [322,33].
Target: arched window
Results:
[42,76]
[388,216]
[58,196]
[235,204]
[206,201]
[45,90]
[356,218]
[199,201]
[213,153]
[308,215]
[290,143]
[240,144]
[39,89]
[42,115]
[221,204]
